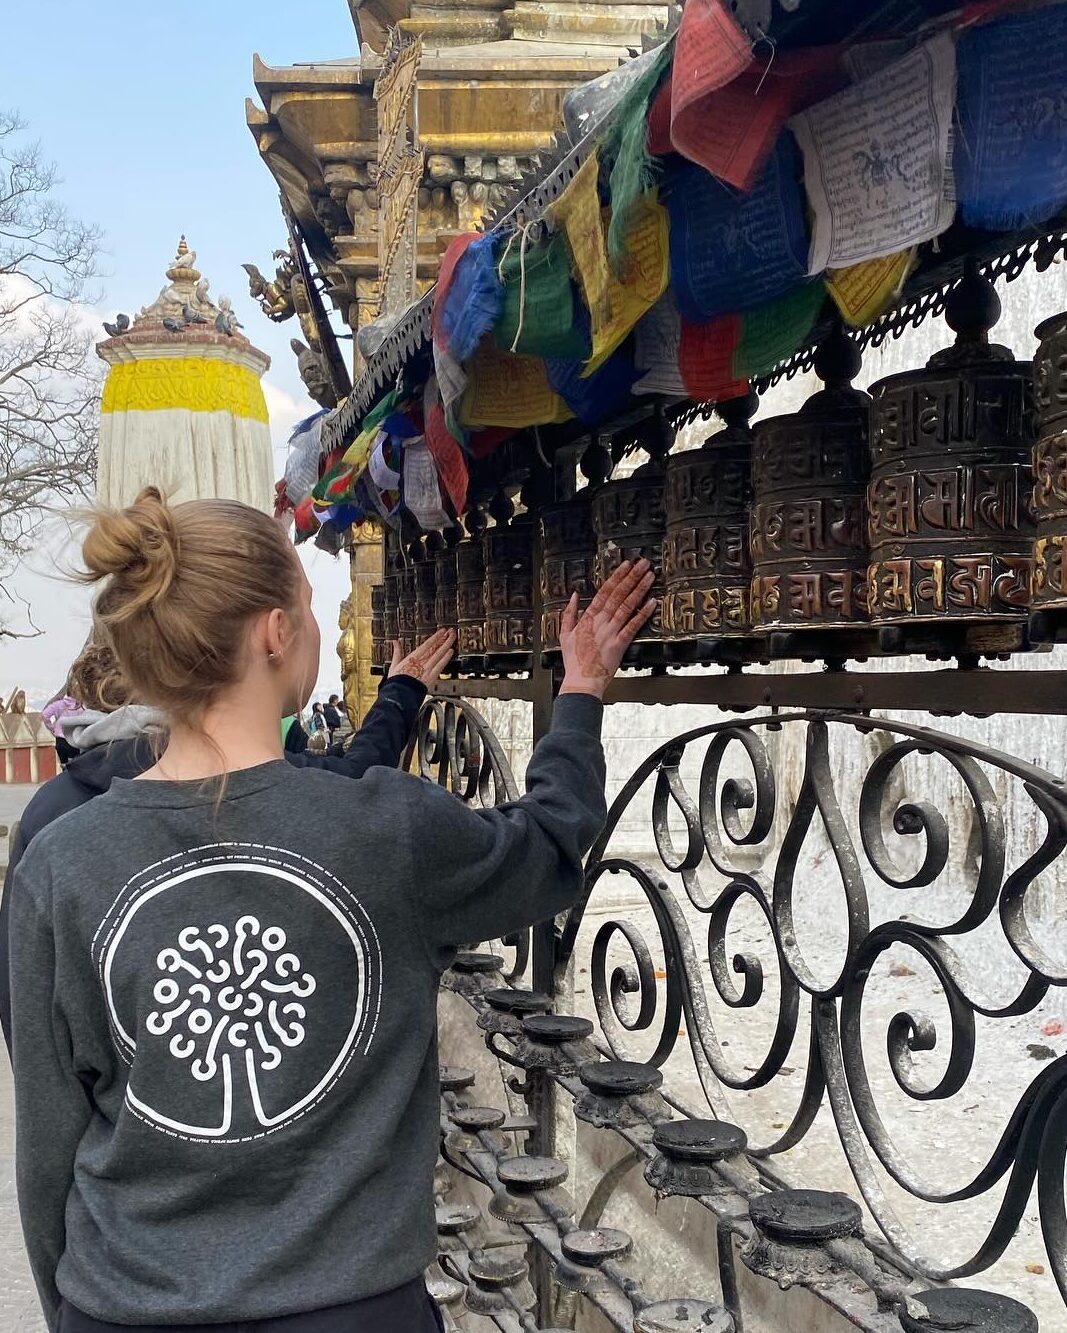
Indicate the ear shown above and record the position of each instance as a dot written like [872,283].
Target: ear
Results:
[277,633]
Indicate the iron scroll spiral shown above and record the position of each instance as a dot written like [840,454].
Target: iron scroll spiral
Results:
[889,844]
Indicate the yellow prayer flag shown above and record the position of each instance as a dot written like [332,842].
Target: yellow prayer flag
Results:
[577,213]
[358,452]
[646,278]
[862,291]
[507,390]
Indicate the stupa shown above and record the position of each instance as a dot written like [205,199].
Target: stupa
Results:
[183,406]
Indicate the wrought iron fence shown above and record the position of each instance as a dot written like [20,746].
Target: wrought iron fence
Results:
[743,819]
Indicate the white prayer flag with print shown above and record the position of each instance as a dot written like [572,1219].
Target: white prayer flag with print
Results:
[876,159]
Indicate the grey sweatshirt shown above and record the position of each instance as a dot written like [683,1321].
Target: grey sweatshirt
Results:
[225,1045]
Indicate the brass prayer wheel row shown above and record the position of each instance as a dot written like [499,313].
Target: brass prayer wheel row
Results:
[482,587]
[938,497]
[1050,466]
[910,504]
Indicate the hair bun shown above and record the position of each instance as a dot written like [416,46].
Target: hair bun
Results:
[137,547]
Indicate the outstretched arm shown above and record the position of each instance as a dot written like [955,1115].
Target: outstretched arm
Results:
[387,728]
[479,874]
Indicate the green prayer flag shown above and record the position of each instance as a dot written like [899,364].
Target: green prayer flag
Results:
[539,317]
[773,332]
[633,172]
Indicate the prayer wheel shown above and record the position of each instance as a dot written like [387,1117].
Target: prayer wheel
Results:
[809,525]
[707,562]
[407,596]
[391,596]
[629,522]
[568,546]
[470,593]
[426,587]
[445,610]
[1050,472]
[568,561]
[381,645]
[950,519]
[509,582]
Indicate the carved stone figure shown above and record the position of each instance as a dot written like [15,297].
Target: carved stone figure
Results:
[313,372]
[348,652]
[274,295]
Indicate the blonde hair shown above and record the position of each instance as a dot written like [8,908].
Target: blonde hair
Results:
[178,588]
[96,680]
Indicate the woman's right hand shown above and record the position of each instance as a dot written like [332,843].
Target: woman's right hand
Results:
[594,641]
[428,660]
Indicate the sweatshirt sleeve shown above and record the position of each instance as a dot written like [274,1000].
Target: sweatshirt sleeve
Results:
[480,874]
[14,855]
[381,739]
[52,1110]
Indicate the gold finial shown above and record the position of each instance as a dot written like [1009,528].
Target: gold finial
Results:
[183,248]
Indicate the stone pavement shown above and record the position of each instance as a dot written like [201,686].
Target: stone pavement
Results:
[19,1311]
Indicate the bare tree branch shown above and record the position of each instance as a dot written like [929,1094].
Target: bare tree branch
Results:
[49,378]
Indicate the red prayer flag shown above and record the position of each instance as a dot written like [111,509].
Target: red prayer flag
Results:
[706,359]
[659,119]
[457,248]
[482,442]
[448,458]
[306,520]
[732,129]
[711,50]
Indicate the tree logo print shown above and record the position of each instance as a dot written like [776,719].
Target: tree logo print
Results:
[234,1030]
[228,993]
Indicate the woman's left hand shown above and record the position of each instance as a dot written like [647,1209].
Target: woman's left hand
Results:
[428,660]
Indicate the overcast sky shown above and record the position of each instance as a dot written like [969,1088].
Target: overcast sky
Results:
[141,106]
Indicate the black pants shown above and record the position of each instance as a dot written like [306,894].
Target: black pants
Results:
[408,1309]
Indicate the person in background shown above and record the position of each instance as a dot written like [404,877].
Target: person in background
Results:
[317,721]
[294,737]
[332,714]
[52,715]
[225,972]
[111,737]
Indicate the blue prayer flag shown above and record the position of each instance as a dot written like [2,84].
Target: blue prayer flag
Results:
[475,300]
[732,251]
[1010,156]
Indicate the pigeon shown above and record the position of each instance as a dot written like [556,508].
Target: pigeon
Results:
[116,330]
[226,321]
[173,325]
[201,291]
[191,316]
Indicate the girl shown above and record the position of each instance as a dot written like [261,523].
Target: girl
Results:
[225,971]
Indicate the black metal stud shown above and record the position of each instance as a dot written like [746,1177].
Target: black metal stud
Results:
[471,962]
[477,1118]
[790,1228]
[687,1314]
[522,1178]
[583,1253]
[612,1087]
[511,1000]
[544,1037]
[456,1079]
[494,1278]
[687,1151]
[967,1311]
[508,1006]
